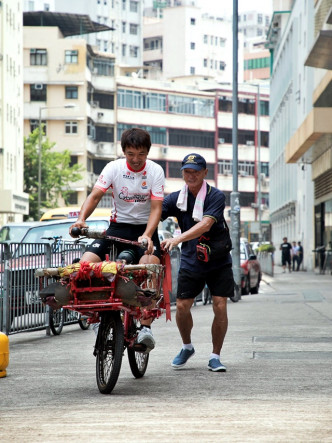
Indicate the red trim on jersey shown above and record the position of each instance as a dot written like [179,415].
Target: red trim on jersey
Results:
[133,170]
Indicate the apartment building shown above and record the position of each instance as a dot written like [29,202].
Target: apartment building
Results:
[290,38]
[125,17]
[185,42]
[312,141]
[69,88]
[14,202]
[253,25]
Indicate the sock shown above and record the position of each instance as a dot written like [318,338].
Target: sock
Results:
[146,326]
[214,356]
[189,346]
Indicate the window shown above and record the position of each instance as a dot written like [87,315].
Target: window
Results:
[104,134]
[205,39]
[72,197]
[71,92]
[38,57]
[104,66]
[124,50]
[73,160]
[133,51]
[141,100]
[193,21]
[46,6]
[192,45]
[157,134]
[133,29]
[71,127]
[259,18]
[34,124]
[71,56]
[192,70]
[205,62]
[133,6]
[187,137]
[123,27]
[179,104]
[123,5]
[38,93]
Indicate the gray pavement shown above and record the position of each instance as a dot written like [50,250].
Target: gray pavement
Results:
[277,387]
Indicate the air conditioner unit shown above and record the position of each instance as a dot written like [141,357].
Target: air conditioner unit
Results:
[38,86]
[221,140]
[227,172]
[94,104]
[100,114]
[164,151]
[243,173]
[249,143]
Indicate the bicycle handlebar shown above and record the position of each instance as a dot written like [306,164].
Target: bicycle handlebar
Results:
[101,233]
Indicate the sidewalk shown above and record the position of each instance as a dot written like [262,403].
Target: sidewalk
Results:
[277,387]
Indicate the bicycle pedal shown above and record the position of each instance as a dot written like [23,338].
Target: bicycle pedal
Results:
[139,347]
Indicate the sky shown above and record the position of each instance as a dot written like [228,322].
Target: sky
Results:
[226,6]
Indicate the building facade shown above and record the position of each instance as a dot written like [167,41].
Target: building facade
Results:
[14,202]
[125,17]
[187,42]
[291,189]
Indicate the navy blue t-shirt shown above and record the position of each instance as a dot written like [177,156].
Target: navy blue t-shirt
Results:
[214,205]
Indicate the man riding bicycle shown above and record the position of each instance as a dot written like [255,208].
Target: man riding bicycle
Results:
[137,186]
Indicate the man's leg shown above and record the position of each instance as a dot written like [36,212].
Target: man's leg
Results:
[184,319]
[219,324]
[145,336]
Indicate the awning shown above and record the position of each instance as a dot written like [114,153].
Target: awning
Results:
[69,24]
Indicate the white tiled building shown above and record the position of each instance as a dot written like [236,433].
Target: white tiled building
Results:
[13,202]
[188,42]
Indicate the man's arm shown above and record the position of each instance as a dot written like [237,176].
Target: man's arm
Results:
[154,219]
[195,232]
[87,208]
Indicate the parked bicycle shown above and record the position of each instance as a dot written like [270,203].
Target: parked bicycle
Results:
[57,317]
[118,296]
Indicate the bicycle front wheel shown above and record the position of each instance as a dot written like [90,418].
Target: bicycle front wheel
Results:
[109,349]
[56,320]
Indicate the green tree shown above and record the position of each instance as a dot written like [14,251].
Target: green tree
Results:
[56,174]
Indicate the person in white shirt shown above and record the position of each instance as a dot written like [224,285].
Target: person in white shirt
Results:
[295,256]
[137,186]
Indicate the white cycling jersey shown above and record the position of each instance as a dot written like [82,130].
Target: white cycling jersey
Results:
[132,191]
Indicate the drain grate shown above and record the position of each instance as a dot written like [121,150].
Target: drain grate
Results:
[276,339]
[298,355]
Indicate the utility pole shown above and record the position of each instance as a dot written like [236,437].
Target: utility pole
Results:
[235,196]
[259,165]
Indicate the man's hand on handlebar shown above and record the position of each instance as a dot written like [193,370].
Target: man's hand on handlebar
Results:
[78,224]
[146,240]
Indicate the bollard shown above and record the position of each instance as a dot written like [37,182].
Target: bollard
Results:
[4,354]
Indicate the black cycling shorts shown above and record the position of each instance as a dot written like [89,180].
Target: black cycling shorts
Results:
[126,231]
[220,282]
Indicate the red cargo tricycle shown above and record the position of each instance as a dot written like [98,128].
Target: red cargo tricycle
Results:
[117,296]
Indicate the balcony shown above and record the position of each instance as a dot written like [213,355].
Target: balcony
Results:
[102,150]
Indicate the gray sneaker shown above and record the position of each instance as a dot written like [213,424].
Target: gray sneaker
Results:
[145,337]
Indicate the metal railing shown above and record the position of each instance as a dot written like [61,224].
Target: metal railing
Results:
[21,309]
[20,306]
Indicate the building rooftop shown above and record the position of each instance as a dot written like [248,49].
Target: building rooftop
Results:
[69,24]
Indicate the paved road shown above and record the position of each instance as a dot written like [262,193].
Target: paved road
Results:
[277,388]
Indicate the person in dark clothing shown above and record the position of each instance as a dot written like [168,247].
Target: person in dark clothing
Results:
[300,255]
[199,209]
[285,249]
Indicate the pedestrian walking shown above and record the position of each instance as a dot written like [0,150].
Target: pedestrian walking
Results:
[285,249]
[300,255]
[199,209]
[295,257]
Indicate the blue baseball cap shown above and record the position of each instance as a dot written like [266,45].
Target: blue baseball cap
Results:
[194,161]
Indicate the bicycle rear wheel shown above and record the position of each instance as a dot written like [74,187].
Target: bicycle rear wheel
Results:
[109,349]
[138,361]
[56,320]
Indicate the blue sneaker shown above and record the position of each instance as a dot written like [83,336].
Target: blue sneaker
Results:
[215,365]
[182,358]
